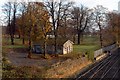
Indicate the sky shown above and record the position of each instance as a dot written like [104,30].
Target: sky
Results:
[110,4]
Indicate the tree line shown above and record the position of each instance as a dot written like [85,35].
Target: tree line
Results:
[34,21]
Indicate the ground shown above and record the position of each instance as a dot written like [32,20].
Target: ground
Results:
[60,67]
[16,63]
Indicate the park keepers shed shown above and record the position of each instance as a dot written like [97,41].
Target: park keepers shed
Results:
[63,47]
[67,47]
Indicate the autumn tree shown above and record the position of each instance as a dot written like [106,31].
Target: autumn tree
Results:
[35,21]
[43,22]
[29,25]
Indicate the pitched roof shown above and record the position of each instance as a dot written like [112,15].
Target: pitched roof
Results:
[69,41]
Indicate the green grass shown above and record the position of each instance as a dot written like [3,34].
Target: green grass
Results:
[90,40]
[7,47]
[8,41]
[14,46]
[89,45]
[17,43]
[84,48]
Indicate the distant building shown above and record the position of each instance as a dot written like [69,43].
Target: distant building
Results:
[119,6]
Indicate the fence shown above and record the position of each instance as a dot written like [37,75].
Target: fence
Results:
[102,50]
[98,53]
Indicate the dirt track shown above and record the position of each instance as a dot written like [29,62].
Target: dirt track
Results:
[61,68]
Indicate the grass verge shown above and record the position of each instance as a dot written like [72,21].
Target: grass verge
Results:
[87,50]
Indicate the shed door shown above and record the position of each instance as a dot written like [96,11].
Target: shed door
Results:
[37,48]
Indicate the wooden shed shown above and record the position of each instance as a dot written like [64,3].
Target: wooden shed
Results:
[67,47]
[63,47]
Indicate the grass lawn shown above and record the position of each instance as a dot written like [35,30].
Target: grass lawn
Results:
[90,40]
[84,48]
[89,45]
[6,43]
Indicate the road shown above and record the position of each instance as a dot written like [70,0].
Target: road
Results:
[108,68]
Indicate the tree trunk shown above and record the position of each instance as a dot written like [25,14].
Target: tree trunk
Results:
[12,39]
[45,48]
[101,39]
[55,44]
[78,38]
[23,31]
[81,39]
[74,38]
[19,36]
[13,25]
[100,34]
[23,40]
[11,34]
[29,53]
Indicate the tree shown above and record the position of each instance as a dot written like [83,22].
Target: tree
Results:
[113,27]
[100,14]
[66,31]
[57,10]
[42,19]
[81,18]
[34,24]
[10,10]
[7,9]
[22,22]
[13,25]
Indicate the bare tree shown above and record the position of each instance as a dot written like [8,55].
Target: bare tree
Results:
[81,19]
[13,25]
[10,9]
[113,26]
[22,27]
[7,9]
[56,12]
[100,14]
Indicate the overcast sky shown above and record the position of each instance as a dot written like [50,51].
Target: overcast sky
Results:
[110,4]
